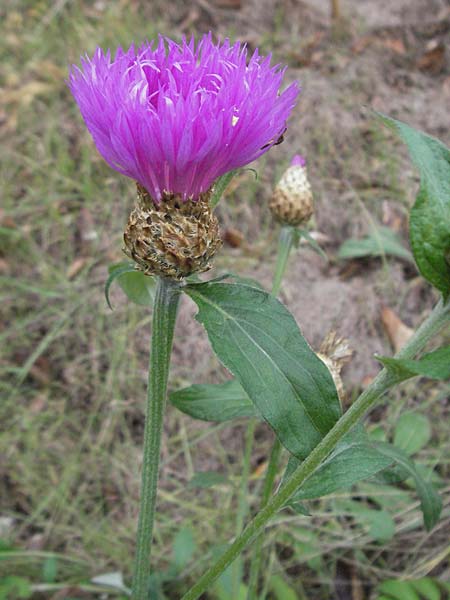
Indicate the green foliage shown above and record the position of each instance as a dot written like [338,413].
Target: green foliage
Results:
[214,402]
[382,241]
[281,590]
[258,340]
[378,523]
[425,588]
[430,215]
[50,569]
[412,432]
[430,501]
[138,287]
[183,548]
[357,458]
[14,587]
[353,460]
[207,479]
[220,186]
[300,233]
[434,365]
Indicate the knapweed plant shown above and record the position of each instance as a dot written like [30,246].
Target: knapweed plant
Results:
[180,119]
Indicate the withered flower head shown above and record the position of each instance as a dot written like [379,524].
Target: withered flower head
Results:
[335,352]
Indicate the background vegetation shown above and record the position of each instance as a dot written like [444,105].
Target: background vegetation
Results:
[74,373]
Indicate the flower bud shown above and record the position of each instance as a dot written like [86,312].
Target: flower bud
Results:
[292,201]
[173,238]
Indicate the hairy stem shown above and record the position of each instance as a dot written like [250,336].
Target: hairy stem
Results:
[243,500]
[164,316]
[384,380]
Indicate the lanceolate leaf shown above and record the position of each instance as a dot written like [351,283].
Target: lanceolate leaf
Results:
[348,464]
[258,340]
[381,241]
[214,402]
[429,500]
[435,365]
[430,215]
[412,432]
[312,242]
[355,459]
[220,186]
[139,288]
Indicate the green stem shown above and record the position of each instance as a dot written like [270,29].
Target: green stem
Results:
[243,500]
[285,243]
[164,316]
[384,380]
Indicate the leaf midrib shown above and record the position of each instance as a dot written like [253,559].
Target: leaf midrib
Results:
[237,322]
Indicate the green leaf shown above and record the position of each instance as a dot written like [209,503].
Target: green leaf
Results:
[381,242]
[138,287]
[430,501]
[214,402]
[351,461]
[412,432]
[381,524]
[14,587]
[427,588]
[207,479]
[258,340]
[312,242]
[430,216]
[220,186]
[299,508]
[281,590]
[183,548]
[434,365]
[398,590]
[50,569]
[225,584]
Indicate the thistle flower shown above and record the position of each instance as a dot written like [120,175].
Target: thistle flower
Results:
[292,201]
[175,117]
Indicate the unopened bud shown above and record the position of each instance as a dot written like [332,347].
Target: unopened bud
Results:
[292,201]
[173,238]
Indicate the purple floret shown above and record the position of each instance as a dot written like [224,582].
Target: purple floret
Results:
[174,117]
[298,161]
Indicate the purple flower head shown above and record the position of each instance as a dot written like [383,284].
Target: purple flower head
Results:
[174,117]
[298,161]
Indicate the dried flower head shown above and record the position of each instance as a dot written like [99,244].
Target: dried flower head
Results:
[335,352]
[175,117]
[292,201]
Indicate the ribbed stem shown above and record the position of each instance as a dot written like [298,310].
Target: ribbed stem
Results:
[384,381]
[164,316]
